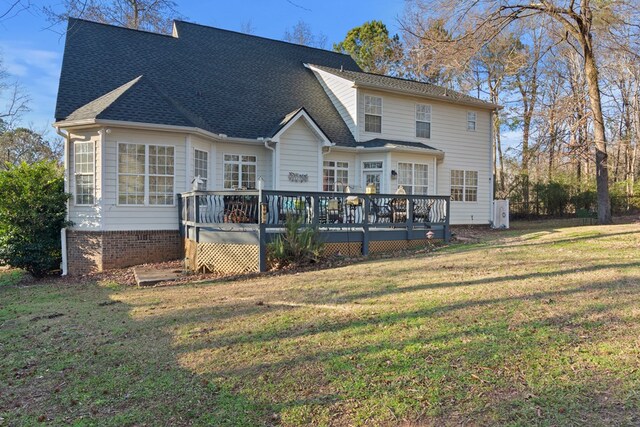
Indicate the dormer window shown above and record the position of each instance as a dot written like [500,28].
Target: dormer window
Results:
[423,121]
[372,114]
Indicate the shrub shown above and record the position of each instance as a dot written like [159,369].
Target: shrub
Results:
[298,245]
[32,212]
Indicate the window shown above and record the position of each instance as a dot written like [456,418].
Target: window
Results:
[414,177]
[423,121]
[201,167]
[471,120]
[160,175]
[464,186]
[145,174]
[239,172]
[335,176]
[131,160]
[372,174]
[84,156]
[372,114]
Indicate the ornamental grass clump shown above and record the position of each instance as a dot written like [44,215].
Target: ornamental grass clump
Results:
[298,245]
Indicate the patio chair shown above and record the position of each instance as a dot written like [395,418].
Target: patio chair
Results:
[422,210]
[380,210]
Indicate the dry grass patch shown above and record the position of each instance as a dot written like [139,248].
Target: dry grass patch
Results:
[515,328]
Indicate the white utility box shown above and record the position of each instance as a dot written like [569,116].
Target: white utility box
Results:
[501,214]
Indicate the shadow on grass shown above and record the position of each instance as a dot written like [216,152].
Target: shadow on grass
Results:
[512,359]
[481,366]
[73,354]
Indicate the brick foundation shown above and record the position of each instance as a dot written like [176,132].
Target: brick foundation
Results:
[91,251]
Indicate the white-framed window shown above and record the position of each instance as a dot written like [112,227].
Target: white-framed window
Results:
[464,186]
[84,171]
[239,172]
[471,120]
[201,167]
[414,177]
[146,174]
[423,121]
[372,174]
[161,172]
[335,175]
[372,114]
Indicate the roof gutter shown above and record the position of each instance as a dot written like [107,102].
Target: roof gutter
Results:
[391,148]
[86,123]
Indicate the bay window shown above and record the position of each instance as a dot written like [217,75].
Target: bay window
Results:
[239,172]
[84,172]
[201,167]
[145,174]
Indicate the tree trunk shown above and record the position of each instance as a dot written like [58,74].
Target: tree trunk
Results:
[602,167]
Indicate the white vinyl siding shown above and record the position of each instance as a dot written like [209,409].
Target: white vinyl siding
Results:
[471,121]
[146,174]
[373,114]
[84,168]
[423,121]
[462,149]
[299,152]
[342,95]
[414,177]
[239,172]
[335,175]
[464,186]
[201,167]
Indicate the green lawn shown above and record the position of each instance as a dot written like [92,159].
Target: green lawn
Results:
[524,327]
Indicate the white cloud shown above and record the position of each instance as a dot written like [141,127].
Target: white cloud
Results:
[38,71]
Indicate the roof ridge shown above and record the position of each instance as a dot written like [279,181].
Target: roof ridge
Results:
[447,92]
[394,77]
[186,114]
[263,38]
[104,24]
[116,93]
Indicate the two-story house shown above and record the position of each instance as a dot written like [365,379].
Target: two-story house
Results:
[143,114]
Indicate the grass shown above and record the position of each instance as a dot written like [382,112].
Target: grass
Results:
[530,326]
[10,277]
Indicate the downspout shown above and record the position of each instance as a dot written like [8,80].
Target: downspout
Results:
[492,174]
[63,231]
[273,161]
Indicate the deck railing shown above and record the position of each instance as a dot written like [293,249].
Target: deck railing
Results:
[218,216]
[321,209]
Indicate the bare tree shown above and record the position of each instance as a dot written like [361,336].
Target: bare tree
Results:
[15,98]
[148,15]
[14,8]
[301,33]
[580,24]
[247,27]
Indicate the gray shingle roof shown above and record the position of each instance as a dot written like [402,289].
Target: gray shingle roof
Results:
[404,85]
[217,80]
[382,143]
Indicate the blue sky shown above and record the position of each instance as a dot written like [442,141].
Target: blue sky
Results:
[32,53]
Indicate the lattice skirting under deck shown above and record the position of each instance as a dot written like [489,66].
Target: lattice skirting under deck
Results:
[227,258]
[395,245]
[345,248]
